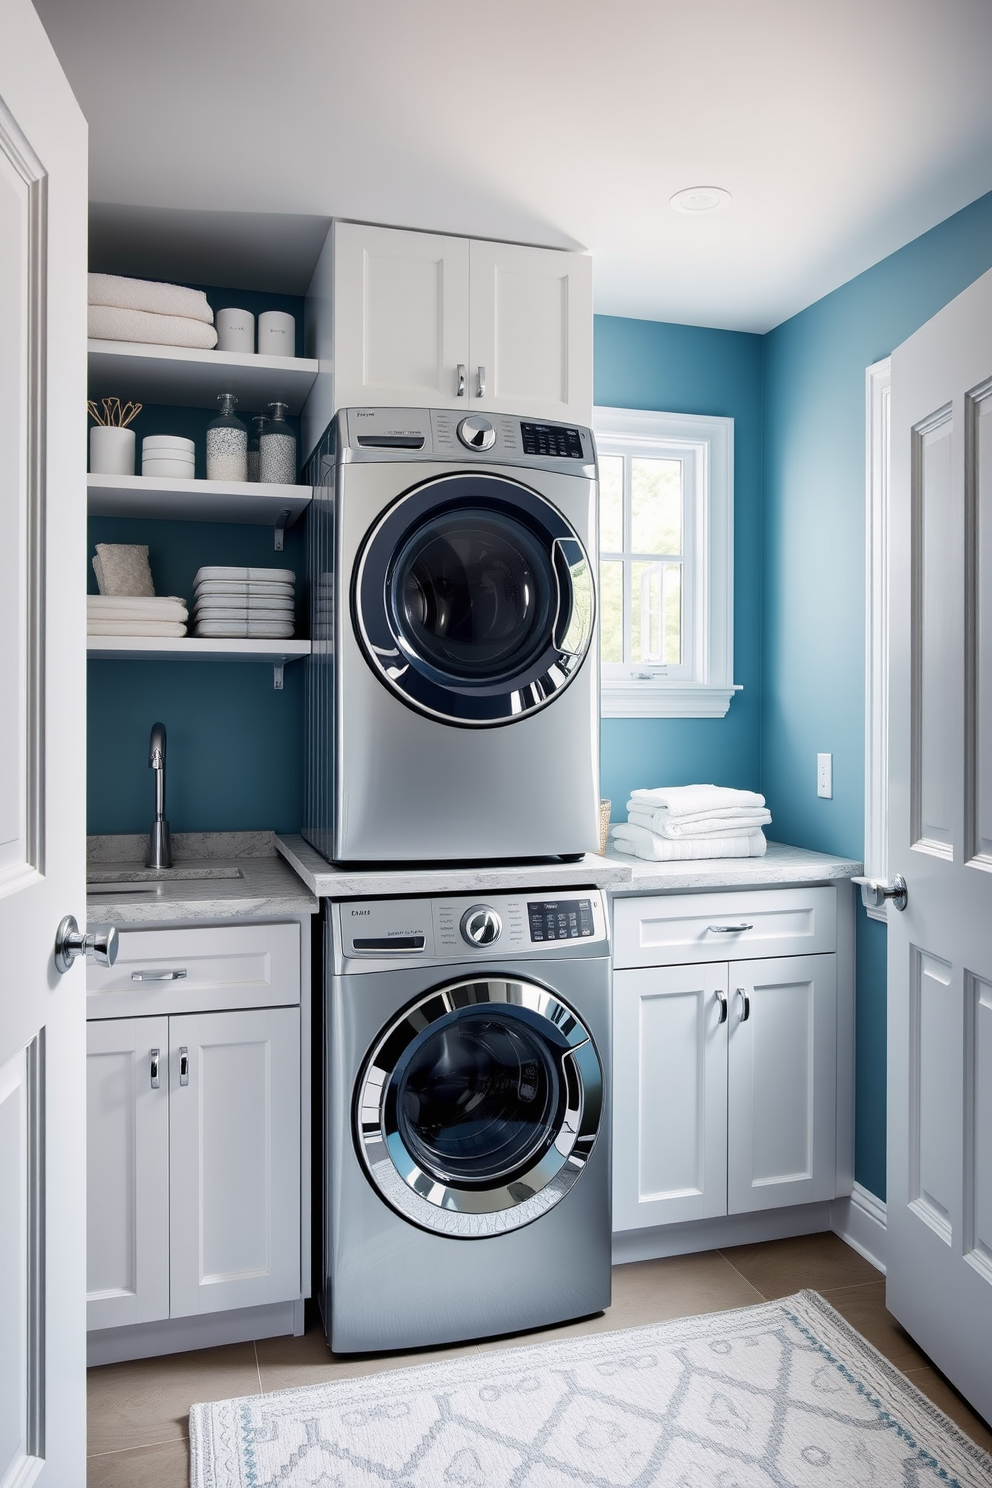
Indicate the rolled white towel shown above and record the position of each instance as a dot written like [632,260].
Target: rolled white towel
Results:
[693,800]
[638,842]
[148,294]
[96,627]
[680,828]
[108,323]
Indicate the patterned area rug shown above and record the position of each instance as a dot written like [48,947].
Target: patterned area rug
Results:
[784,1395]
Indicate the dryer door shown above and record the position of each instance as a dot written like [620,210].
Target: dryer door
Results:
[479,1106]
[473,599]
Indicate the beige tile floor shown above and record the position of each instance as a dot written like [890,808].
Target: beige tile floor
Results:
[138,1411]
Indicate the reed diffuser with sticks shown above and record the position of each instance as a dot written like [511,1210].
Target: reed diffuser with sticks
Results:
[111,438]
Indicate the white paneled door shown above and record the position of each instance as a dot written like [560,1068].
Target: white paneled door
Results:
[939,1282]
[42,759]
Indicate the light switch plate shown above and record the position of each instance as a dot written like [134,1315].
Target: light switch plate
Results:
[825,776]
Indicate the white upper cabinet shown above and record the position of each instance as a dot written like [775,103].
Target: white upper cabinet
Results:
[419,320]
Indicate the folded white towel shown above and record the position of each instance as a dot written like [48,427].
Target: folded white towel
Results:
[215,572]
[210,605]
[174,615]
[692,800]
[255,629]
[679,828]
[107,323]
[160,606]
[148,294]
[638,842]
[236,589]
[96,627]
[243,613]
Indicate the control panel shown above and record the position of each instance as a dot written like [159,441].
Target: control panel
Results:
[388,434]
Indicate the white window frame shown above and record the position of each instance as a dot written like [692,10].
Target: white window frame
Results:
[703,685]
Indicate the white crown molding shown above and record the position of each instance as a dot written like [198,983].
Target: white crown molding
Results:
[665,699]
[878,380]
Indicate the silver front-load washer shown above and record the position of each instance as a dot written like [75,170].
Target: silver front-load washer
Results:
[467,1175]
[453,689]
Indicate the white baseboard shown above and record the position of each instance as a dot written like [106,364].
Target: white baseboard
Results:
[178,1335]
[714,1234]
[860,1223]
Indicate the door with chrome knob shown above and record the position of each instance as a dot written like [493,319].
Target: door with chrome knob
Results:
[99,946]
[875,892]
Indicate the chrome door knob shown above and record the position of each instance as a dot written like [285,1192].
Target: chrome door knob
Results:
[476,433]
[481,925]
[100,946]
[875,891]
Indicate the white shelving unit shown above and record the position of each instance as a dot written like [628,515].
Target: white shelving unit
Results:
[195,648]
[197,500]
[192,379]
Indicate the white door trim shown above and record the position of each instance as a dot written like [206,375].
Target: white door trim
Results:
[878,382]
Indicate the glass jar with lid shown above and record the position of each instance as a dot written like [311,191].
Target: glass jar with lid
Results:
[277,447]
[227,443]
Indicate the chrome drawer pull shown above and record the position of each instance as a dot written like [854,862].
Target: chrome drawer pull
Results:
[482,383]
[746,1013]
[461,380]
[721,998]
[159,976]
[184,1065]
[154,1068]
[729,929]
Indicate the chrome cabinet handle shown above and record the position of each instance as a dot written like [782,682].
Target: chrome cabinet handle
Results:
[482,382]
[159,976]
[875,891]
[461,379]
[99,946]
[729,929]
[721,998]
[154,1068]
[184,1065]
[746,1012]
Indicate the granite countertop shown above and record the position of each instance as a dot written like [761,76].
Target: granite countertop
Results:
[239,875]
[781,865]
[329,882]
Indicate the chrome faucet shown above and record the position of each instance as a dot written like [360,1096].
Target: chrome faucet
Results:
[159,846]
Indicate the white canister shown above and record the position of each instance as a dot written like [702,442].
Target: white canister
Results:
[174,445]
[111,450]
[276,334]
[173,469]
[235,330]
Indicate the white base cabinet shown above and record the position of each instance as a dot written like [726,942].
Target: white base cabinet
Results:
[725,1071]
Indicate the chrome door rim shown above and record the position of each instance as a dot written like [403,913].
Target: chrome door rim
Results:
[463,1212]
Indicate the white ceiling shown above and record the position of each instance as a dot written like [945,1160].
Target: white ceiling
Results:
[843,128]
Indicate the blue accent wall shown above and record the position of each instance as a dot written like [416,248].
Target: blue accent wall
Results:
[687,369]
[813,578]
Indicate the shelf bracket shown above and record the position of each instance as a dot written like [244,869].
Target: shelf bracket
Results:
[279,532]
[277,675]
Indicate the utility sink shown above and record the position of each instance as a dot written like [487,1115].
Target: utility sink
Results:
[147,880]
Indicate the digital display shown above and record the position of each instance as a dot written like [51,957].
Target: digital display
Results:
[551,439]
[561,919]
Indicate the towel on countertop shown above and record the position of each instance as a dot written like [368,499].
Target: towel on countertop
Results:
[720,824]
[168,608]
[638,842]
[148,294]
[122,569]
[108,323]
[103,627]
[694,800]
[260,629]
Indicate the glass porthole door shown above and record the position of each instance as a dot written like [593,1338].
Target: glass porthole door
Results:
[479,1106]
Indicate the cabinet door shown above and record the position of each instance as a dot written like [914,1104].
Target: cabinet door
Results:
[531,332]
[127,1175]
[400,317]
[782,1081]
[235,1159]
[670,1095]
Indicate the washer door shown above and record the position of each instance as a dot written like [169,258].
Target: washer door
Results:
[473,600]
[479,1106]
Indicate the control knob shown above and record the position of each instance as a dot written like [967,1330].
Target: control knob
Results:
[481,925]
[476,432]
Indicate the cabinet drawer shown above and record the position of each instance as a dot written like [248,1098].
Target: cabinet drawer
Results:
[197,970]
[676,929]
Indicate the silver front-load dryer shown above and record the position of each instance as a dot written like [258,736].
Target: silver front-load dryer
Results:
[453,689]
[467,1182]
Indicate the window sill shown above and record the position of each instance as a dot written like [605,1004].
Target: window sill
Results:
[620,699]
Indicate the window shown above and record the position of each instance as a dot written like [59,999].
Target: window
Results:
[666,547]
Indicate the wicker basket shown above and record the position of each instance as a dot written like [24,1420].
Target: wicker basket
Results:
[605,807]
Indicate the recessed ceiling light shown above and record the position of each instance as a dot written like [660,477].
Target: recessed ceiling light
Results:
[696,199]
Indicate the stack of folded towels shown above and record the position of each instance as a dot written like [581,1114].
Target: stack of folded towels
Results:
[692,822]
[144,310]
[257,603]
[127,604]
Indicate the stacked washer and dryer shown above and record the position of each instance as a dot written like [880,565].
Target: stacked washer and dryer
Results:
[453,718]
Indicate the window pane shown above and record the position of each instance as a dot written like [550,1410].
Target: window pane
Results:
[611,503]
[656,613]
[656,506]
[611,611]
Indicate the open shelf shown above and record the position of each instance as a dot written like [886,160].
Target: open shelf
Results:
[276,654]
[196,500]
[189,378]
